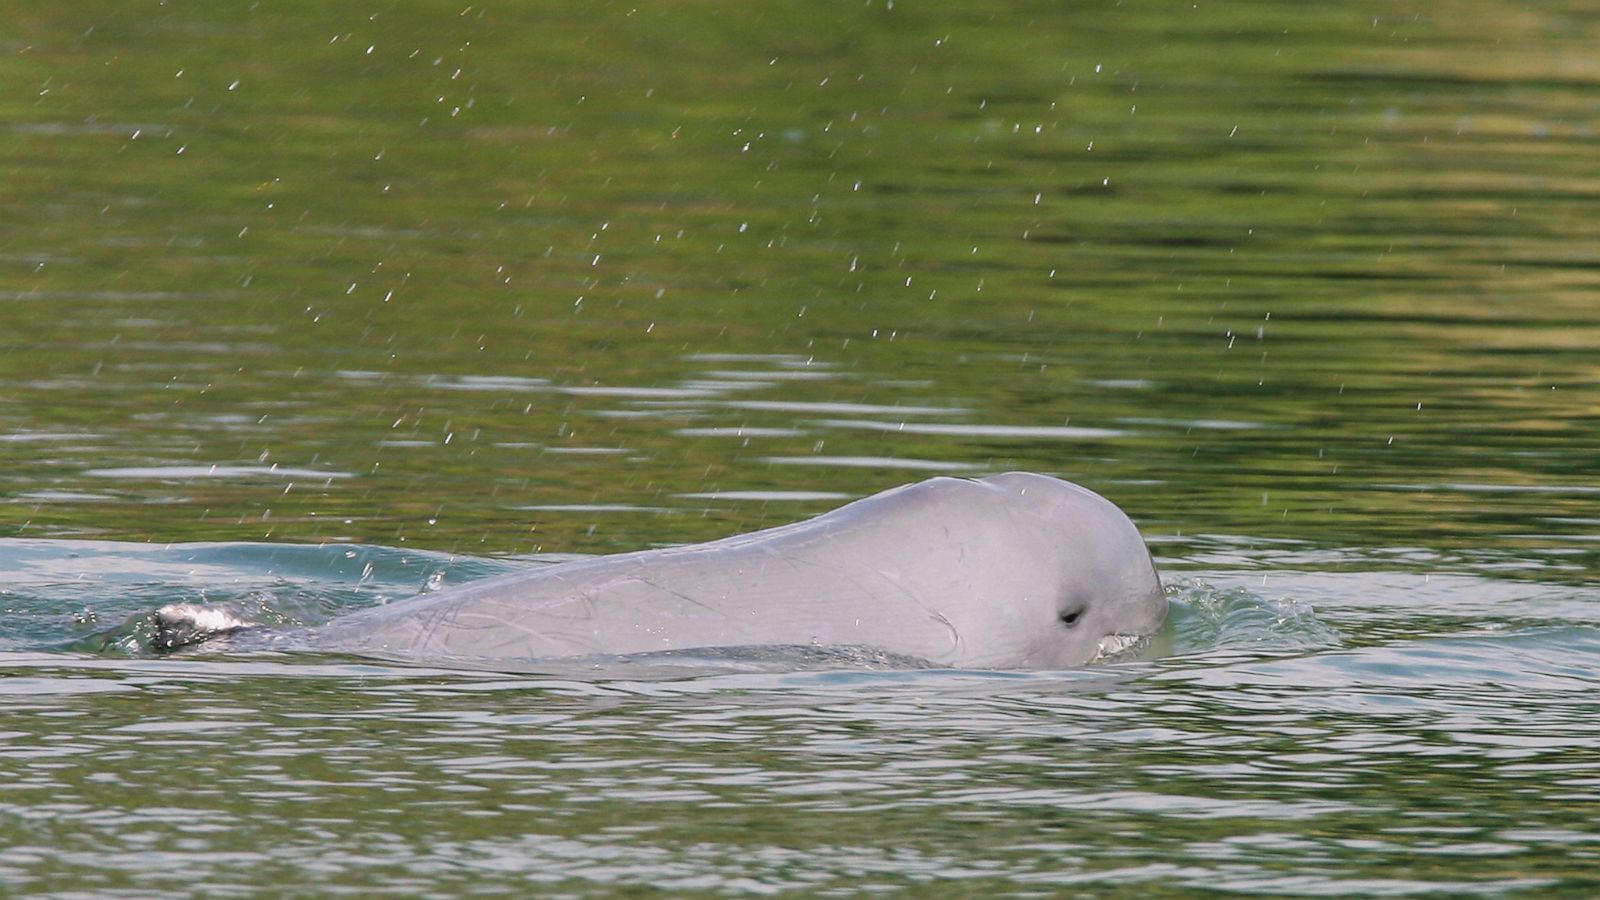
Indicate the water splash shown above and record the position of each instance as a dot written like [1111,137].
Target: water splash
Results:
[1205,617]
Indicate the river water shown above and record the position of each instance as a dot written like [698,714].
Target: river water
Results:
[306,307]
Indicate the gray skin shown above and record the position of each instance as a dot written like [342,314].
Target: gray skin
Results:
[1014,571]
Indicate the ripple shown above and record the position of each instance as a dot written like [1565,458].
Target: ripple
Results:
[115,296]
[1489,488]
[489,383]
[591,507]
[24,686]
[781,375]
[1201,424]
[30,437]
[795,496]
[868,409]
[532,385]
[87,127]
[588,451]
[738,431]
[678,393]
[1061,432]
[656,410]
[873,462]
[65,497]
[777,359]
[726,386]
[188,473]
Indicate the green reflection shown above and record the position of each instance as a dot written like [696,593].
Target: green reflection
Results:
[1327,274]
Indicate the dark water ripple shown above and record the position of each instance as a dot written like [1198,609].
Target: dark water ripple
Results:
[1412,767]
[1265,748]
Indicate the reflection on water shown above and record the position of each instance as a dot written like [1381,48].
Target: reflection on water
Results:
[739,778]
[872,462]
[767,495]
[306,312]
[231,473]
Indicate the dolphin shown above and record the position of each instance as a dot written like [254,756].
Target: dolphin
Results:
[1012,571]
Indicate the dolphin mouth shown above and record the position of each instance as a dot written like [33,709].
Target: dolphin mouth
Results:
[1115,646]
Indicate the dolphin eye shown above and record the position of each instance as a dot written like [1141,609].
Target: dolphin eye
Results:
[1071,618]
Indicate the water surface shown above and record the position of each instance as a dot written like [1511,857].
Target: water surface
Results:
[305,308]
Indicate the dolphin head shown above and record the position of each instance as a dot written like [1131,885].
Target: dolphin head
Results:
[1081,584]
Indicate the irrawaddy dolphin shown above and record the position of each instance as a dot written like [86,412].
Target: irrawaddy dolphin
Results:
[1013,571]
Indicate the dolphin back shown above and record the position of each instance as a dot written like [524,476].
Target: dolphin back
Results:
[856,576]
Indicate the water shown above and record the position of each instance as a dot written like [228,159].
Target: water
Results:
[307,309]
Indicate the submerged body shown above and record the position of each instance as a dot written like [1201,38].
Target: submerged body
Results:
[1010,571]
